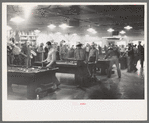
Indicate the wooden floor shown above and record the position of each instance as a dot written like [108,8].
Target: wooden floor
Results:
[130,86]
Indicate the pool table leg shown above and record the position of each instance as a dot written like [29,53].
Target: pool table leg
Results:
[9,88]
[31,94]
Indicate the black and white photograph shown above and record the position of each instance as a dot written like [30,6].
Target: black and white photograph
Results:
[78,53]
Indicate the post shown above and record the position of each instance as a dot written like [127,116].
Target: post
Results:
[42,58]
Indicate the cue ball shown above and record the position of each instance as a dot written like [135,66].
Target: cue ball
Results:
[32,68]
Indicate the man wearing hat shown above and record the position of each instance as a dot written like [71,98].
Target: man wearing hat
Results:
[113,53]
[16,51]
[130,58]
[93,57]
[79,55]
[141,53]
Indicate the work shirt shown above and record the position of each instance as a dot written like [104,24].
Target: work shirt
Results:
[112,53]
[79,54]
[130,51]
[93,53]
[87,49]
[135,50]
[16,50]
[63,49]
[141,51]
[26,50]
[51,56]
[40,49]
[122,49]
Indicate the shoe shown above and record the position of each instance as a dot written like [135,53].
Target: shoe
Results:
[119,77]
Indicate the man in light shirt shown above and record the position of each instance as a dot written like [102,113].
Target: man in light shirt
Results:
[50,61]
[16,51]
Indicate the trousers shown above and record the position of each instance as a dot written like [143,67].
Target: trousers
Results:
[130,63]
[114,60]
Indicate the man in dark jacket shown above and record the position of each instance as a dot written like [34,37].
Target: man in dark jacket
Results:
[113,54]
[130,58]
[80,56]
[141,54]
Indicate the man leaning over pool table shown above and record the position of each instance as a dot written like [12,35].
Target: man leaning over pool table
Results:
[50,61]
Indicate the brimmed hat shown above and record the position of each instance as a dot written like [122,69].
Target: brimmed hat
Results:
[79,44]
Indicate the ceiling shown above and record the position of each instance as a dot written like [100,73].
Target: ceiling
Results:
[100,17]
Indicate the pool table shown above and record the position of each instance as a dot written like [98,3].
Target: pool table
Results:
[68,72]
[103,65]
[32,77]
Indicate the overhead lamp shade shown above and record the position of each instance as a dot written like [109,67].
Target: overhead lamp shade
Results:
[37,31]
[63,26]
[51,26]
[17,19]
[128,27]
[122,32]
[110,30]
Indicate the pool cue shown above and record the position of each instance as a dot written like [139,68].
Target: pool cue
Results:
[88,70]
[42,58]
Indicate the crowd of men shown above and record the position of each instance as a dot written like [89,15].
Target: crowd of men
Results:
[25,53]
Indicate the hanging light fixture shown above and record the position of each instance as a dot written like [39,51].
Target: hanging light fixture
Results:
[90,30]
[122,32]
[17,19]
[128,27]
[37,31]
[94,32]
[110,30]
[51,26]
[63,26]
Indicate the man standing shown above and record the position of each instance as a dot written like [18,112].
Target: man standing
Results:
[100,50]
[135,50]
[141,53]
[93,58]
[50,61]
[130,58]
[62,51]
[113,53]
[27,51]
[87,48]
[79,55]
